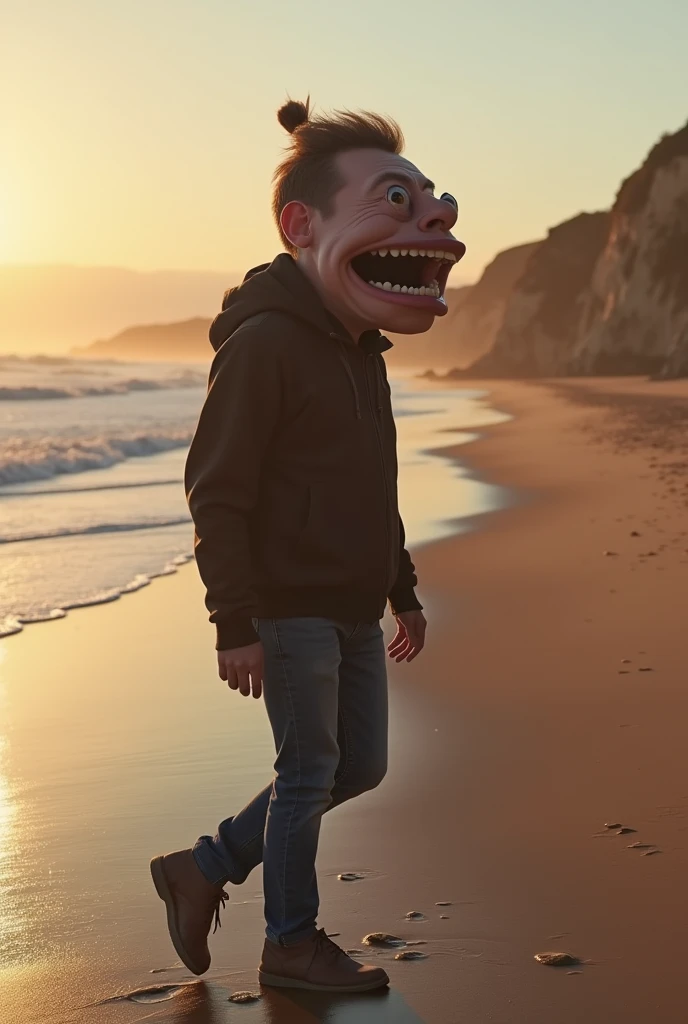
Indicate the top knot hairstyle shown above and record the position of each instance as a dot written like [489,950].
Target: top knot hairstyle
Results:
[308,173]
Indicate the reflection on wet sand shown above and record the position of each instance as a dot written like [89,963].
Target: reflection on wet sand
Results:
[207,1004]
[385,1007]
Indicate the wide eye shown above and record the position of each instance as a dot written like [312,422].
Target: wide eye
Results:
[398,196]
[447,198]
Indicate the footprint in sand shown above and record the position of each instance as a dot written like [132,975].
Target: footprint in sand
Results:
[153,994]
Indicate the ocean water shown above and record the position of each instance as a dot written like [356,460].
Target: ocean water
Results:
[91,465]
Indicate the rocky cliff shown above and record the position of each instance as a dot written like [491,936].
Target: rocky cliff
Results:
[541,318]
[636,309]
[473,328]
[606,292]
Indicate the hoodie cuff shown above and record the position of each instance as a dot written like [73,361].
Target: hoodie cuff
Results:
[403,599]
[236,631]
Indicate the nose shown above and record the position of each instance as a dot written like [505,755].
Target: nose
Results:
[437,215]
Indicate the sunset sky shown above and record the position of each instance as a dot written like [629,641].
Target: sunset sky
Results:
[141,133]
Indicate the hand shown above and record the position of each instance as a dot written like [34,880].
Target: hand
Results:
[242,669]
[410,637]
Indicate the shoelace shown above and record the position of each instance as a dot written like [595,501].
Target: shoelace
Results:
[220,905]
[328,947]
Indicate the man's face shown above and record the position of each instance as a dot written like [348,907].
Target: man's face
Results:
[384,254]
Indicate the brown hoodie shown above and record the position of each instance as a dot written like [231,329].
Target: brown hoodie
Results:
[292,473]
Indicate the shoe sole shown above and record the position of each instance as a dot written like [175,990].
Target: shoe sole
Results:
[157,870]
[276,981]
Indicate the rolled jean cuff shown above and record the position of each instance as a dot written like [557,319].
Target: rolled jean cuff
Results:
[293,938]
[215,869]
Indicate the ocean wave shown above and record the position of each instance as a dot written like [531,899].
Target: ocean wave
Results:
[37,392]
[42,491]
[25,459]
[96,528]
[15,623]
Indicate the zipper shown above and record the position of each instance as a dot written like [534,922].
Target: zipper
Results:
[375,414]
[341,347]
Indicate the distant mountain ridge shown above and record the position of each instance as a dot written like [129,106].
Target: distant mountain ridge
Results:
[184,341]
[51,309]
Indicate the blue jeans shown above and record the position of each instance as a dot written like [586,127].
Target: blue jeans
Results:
[325,690]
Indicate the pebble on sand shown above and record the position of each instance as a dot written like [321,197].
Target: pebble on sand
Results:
[639,846]
[244,997]
[612,824]
[611,554]
[651,853]
[646,670]
[625,830]
[415,915]
[382,939]
[444,917]
[557,959]
[444,903]
[410,954]
[350,876]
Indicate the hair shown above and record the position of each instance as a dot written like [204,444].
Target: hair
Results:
[308,173]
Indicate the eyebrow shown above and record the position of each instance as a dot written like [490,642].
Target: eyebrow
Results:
[409,179]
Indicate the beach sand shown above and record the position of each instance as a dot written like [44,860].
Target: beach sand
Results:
[550,700]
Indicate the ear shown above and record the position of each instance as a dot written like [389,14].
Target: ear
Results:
[295,220]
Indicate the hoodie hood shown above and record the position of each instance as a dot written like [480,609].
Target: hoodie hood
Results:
[277,287]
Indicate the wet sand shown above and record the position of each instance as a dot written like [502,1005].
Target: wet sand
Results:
[526,726]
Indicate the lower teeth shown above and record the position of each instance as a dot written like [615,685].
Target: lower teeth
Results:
[431,289]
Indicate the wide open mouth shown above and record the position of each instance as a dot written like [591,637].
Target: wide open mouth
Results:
[409,271]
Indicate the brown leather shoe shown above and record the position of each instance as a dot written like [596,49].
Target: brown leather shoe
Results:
[317,964]
[192,902]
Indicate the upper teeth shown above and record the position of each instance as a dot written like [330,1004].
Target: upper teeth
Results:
[436,254]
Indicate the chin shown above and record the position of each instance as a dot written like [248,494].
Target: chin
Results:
[413,322]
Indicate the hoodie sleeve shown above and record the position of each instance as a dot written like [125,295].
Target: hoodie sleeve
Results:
[222,477]
[402,596]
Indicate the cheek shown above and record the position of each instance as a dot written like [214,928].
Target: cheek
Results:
[361,229]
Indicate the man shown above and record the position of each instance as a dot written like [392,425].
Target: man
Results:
[292,485]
